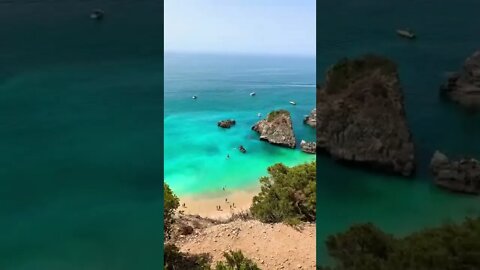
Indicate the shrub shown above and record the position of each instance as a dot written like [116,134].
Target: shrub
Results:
[287,195]
[235,260]
[347,71]
[365,247]
[176,260]
[274,114]
[170,204]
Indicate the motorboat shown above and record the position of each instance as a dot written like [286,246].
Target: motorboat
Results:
[293,103]
[194,97]
[97,14]
[406,33]
[252,94]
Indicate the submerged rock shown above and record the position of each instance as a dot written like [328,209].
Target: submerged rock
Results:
[226,123]
[459,176]
[276,129]
[464,87]
[361,116]
[308,147]
[311,119]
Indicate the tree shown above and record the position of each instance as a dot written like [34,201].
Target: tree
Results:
[287,195]
[448,247]
[170,205]
[235,260]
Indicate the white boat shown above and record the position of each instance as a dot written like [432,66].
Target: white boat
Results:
[97,14]
[259,114]
[194,97]
[406,33]
[252,94]
[293,103]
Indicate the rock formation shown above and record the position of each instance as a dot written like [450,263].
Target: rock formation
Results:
[361,117]
[459,176]
[276,129]
[311,119]
[464,87]
[226,123]
[308,147]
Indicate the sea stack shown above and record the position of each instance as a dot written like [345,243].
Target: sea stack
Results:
[226,123]
[361,116]
[459,176]
[276,129]
[311,119]
[308,147]
[464,87]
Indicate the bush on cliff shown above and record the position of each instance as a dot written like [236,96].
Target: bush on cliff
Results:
[365,247]
[170,204]
[287,195]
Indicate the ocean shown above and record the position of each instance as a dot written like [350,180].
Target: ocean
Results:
[196,149]
[448,32]
[80,135]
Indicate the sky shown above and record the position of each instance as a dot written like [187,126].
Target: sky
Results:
[284,27]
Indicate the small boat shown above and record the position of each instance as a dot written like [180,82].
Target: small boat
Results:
[97,14]
[406,33]
[259,114]
[194,97]
[252,94]
[242,149]
[293,103]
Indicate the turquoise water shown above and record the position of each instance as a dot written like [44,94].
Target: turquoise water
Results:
[80,128]
[447,34]
[196,149]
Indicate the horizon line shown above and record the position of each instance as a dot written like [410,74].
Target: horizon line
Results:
[239,53]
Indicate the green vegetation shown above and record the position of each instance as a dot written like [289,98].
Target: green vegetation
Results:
[170,204]
[236,261]
[449,247]
[347,71]
[287,195]
[274,114]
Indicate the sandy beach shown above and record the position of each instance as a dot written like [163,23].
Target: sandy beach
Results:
[230,201]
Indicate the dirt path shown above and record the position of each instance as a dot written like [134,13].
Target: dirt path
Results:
[276,246]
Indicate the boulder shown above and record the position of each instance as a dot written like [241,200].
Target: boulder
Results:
[226,123]
[311,119]
[361,116]
[463,87]
[461,175]
[276,129]
[308,147]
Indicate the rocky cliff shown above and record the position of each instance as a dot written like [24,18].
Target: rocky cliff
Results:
[460,176]
[464,87]
[361,116]
[311,119]
[276,129]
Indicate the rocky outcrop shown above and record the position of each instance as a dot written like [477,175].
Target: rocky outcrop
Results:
[464,87]
[311,119]
[361,117]
[276,129]
[459,176]
[308,147]
[226,123]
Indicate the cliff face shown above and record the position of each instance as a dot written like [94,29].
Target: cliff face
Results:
[311,119]
[464,86]
[361,116]
[276,129]
[459,176]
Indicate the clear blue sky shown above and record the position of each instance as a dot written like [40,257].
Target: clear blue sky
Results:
[240,26]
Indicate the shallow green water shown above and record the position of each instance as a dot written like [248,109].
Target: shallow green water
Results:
[80,136]
[447,34]
[196,149]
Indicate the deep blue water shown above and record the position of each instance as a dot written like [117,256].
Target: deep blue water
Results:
[448,32]
[80,135]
